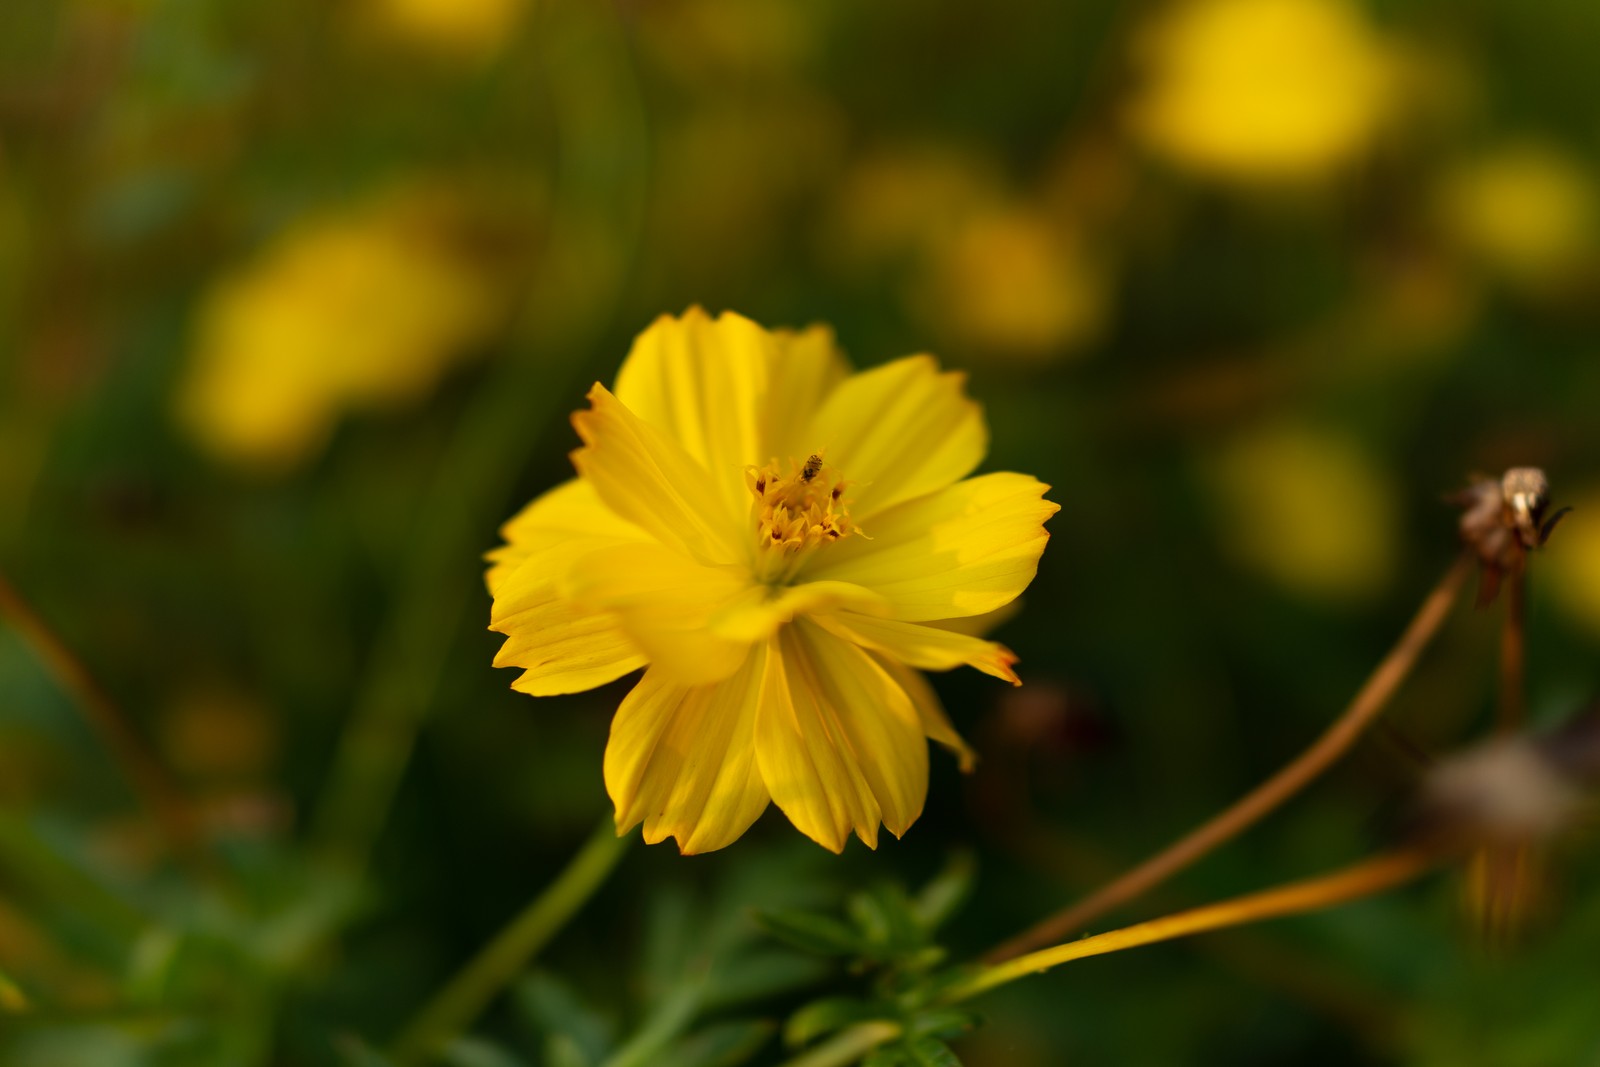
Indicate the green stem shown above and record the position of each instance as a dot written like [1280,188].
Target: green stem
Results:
[847,1046]
[455,1007]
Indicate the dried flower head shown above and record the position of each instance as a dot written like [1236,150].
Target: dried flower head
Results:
[1505,519]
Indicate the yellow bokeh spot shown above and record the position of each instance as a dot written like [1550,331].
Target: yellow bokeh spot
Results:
[894,204]
[1527,211]
[1261,89]
[357,311]
[462,28]
[1307,509]
[1570,565]
[1014,283]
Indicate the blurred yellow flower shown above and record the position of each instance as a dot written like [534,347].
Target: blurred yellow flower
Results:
[1306,508]
[1261,89]
[895,203]
[1014,283]
[464,28]
[779,607]
[1572,561]
[359,311]
[1526,210]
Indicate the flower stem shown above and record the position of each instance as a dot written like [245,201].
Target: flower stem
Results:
[847,1046]
[1383,871]
[1504,878]
[1253,806]
[455,1007]
[1514,654]
[151,784]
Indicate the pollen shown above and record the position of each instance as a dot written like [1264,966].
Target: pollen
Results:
[797,511]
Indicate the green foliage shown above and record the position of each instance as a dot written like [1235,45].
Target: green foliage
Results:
[888,938]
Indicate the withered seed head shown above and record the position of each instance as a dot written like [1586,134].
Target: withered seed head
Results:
[1504,519]
[1507,791]
[1525,492]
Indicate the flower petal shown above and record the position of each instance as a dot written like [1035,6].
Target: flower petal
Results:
[899,431]
[928,647]
[759,613]
[838,741]
[935,723]
[570,511]
[729,392]
[647,478]
[964,550]
[682,761]
[665,602]
[563,648]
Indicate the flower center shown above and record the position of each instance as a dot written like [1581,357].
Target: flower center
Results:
[794,513]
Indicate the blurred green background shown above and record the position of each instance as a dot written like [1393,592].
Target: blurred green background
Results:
[296,296]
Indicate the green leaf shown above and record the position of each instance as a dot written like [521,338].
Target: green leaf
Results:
[888,1056]
[929,1052]
[942,1023]
[354,1052]
[476,1052]
[721,1045]
[886,919]
[812,933]
[758,974]
[573,1030]
[945,894]
[827,1015]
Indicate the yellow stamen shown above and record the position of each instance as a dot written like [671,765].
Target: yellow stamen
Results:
[796,512]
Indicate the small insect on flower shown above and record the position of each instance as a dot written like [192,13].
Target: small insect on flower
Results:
[781,643]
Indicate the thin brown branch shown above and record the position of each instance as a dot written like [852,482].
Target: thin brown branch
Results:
[1514,654]
[148,778]
[1266,797]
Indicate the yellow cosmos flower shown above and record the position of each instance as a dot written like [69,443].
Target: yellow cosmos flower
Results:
[779,543]
[1262,89]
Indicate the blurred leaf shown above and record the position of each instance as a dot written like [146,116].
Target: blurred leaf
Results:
[942,1023]
[924,1052]
[759,974]
[812,933]
[673,1014]
[476,1052]
[930,1052]
[673,934]
[827,1015]
[946,892]
[720,1045]
[354,1052]
[550,1008]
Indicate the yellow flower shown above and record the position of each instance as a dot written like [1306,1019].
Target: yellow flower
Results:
[1262,89]
[1016,284]
[1526,210]
[1309,509]
[354,311]
[779,543]
[1572,561]
[460,28]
